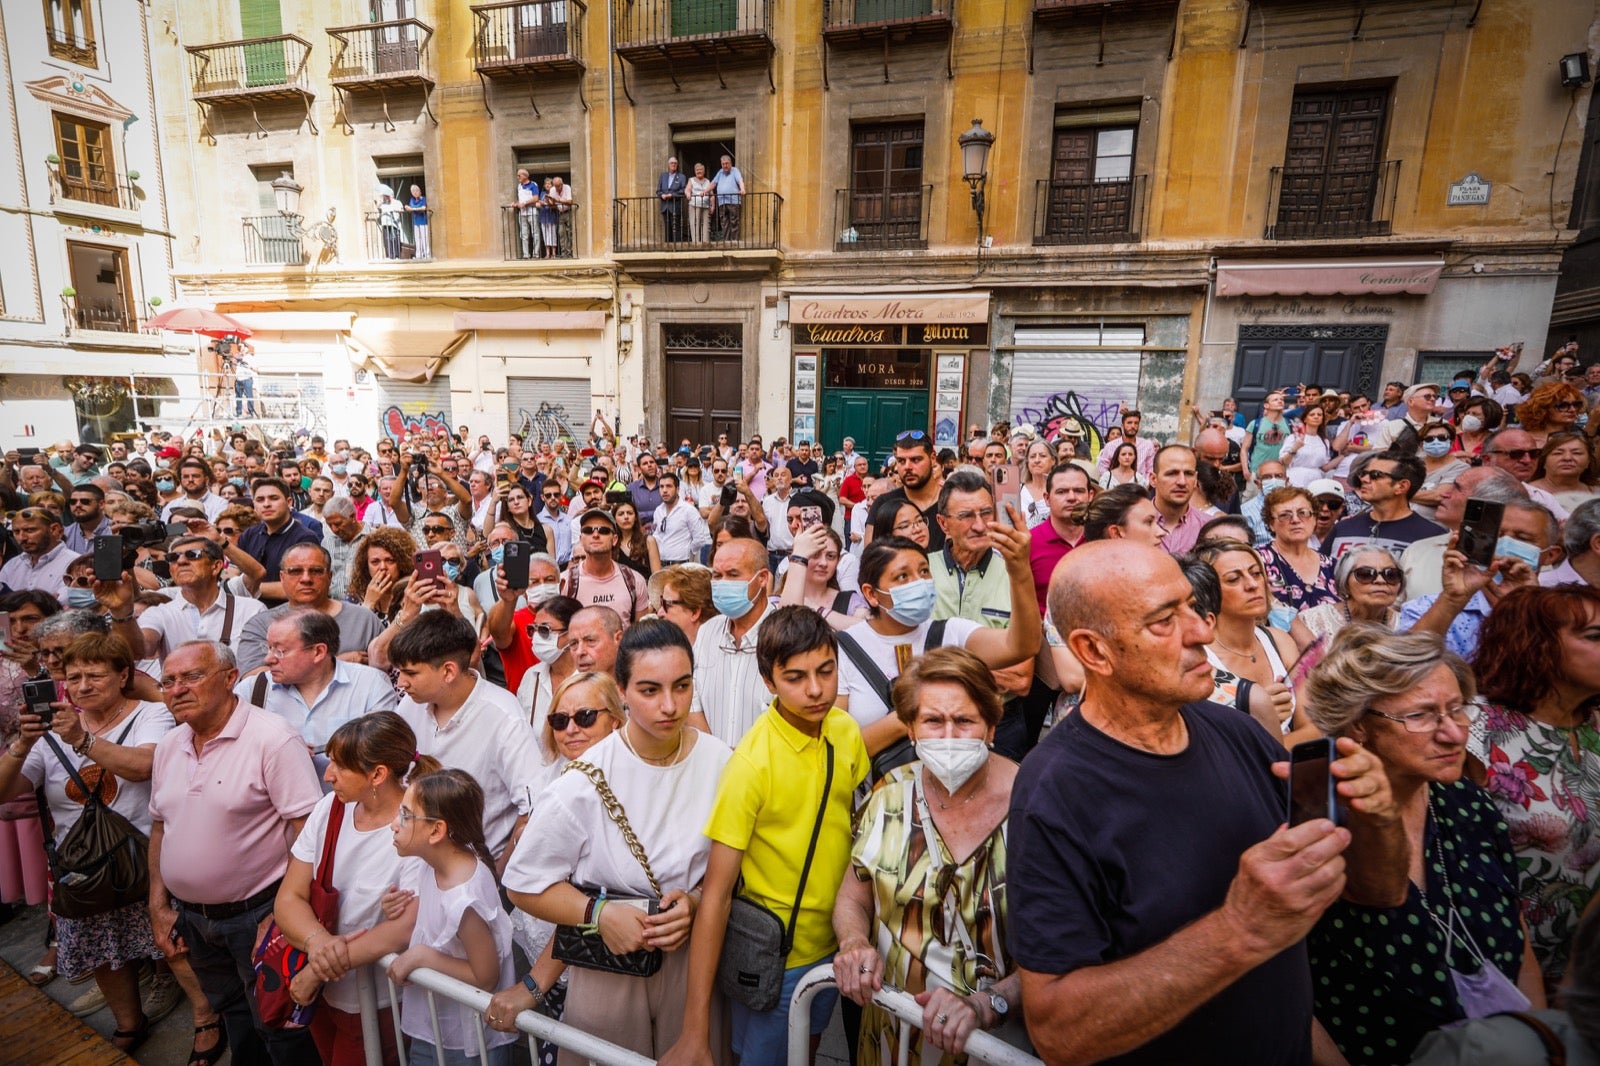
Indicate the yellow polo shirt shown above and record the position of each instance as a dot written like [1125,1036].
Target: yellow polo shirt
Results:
[766,807]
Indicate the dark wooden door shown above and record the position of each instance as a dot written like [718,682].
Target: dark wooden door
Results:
[886,183]
[703,396]
[1332,160]
[1271,357]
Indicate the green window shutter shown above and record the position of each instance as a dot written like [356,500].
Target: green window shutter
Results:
[264,64]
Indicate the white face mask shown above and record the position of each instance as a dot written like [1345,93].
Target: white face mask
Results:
[537,594]
[546,650]
[953,760]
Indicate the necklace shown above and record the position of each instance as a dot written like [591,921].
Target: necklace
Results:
[669,760]
[1251,655]
[977,787]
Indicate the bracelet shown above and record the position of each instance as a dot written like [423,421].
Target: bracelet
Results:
[82,747]
[12,751]
[127,618]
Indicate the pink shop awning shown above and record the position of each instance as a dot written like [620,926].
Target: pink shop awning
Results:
[1328,277]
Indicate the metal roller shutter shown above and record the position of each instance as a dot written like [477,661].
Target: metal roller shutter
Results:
[1074,373]
[545,409]
[408,406]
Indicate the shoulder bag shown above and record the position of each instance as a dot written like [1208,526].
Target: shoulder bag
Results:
[276,960]
[756,946]
[901,752]
[103,862]
[582,945]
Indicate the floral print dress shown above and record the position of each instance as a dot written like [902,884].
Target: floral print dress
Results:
[1546,782]
[1291,590]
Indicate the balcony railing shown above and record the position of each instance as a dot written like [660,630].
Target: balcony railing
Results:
[1332,202]
[1047,9]
[881,220]
[107,315]
[408,241]
[262,68]
[525,38]
[95,192]
[267,239]
[63,44]
[639,225]
[665,30]
[543,238]
[1088,212]
[381,53]
[848,19]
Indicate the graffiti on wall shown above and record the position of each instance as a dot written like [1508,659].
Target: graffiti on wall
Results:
[398,421]
[548,423]
[1092,413]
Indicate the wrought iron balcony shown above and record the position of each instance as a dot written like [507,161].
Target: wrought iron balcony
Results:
[1044,10]
[533,240]
[106,315]
[517,39]
[407,242]
[844,21]
[63,44]
[380,54]
[639,225]
[882,219]
[661,31]
[1088,212]
[268,239]
[262,68]
[1332,202]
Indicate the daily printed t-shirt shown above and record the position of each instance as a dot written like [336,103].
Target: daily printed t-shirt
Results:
[1113,850]
[867,704]
[1363,530]
[766,807]
[365,864]
[149,722]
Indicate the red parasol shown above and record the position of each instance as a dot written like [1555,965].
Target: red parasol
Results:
[198,320]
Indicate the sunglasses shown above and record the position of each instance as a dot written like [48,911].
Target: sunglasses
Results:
[584,716]
[910,434]
[445,530]
[1371,575]
[83,581]
[1518,453]
[1568,405]
[192,555]
[1366,474]
[590,531]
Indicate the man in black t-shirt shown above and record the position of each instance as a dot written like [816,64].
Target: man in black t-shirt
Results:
[1386,482]
[921,480]
[1158,906]
[802,468]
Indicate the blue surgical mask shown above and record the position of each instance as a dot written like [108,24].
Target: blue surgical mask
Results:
[340,468]
[1270,483]
[510,464]
[80,598]
[452,570]
[165,484]
[237,482]
[913,601]
[497,554]
[1521,550]
[1436,449]
[731,597]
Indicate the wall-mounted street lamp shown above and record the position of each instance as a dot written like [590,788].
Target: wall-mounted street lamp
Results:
[975,145]
[287,193]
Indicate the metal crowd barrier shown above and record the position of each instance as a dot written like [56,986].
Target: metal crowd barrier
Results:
[981,1047]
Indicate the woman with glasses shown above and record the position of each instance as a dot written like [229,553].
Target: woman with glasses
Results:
[1442,464]
[1550,409]
[1538,733]
[923,905]
[1370,587]
[1384,977]
[1567,469]
[898,517]
[587,709]
[381,570]
[1301,576]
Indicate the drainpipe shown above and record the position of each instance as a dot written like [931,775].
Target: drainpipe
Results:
[611,120]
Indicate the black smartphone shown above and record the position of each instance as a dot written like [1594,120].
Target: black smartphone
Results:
[1480,529]
[177,529]
[38,695]
[108,557]
[515,562]
[1311,793]
[161,568]
[729,494]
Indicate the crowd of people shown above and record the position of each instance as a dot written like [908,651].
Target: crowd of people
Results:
[636,735]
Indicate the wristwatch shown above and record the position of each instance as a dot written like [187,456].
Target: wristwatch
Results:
[538,993]
[999,1005]
[800,559]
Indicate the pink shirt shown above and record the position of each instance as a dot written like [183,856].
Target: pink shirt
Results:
[225,811]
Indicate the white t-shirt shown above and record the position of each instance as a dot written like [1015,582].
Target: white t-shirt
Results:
[866,703]
[365,864]
[439,914]
[131,799]
[1035,509]
[666,805]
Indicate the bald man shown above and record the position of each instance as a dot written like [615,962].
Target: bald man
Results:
[729,693]
[1156,904]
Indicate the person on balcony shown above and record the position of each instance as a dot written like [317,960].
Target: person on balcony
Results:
[557,224]
[729,186]
[670,188]
[527,207]
[418,207]
[389,222]
[699,191]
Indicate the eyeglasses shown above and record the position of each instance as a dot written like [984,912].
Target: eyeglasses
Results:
[84,501]
[1293,516]
[1518,453]
[83,581]
[51,653]
[1371,575]
[1365,474]
[193,555]
[1427,721]
[987,514]
[910,524]
[279,653]
[447,531]
[1437,436]
[188,680]
[911,435]
[544,632]
[407,817]
[302,571]
[591,531]
[227,531]
[584,716]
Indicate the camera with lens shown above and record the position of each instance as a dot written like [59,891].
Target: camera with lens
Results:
[143,534]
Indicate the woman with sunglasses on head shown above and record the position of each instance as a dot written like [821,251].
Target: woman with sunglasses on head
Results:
[1551,409]
[1371,587]
[1538,732]
[1567,469]
[1442,463]
[587,708]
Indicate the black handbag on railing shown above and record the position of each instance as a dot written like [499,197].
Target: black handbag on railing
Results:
[756,946]
[103,862]
[577,946]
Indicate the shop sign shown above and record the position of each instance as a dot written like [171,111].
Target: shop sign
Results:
[1354,277]
[891,310]
[1470,191]
[951,334]
[876,370]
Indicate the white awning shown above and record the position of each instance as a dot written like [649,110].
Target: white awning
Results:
[1328,277]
